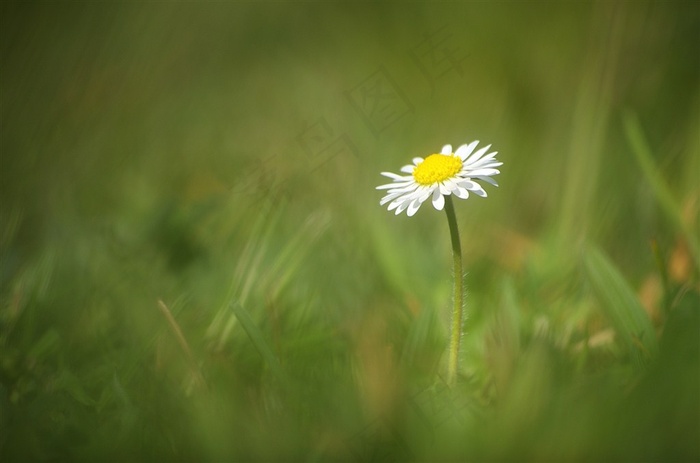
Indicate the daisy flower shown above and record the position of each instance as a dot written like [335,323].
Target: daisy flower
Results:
[439,175]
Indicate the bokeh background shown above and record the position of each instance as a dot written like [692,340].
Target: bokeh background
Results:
[221,158]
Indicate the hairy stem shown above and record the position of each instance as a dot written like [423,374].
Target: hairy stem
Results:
[458,308]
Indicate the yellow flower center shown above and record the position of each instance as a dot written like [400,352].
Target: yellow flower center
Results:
[436,168]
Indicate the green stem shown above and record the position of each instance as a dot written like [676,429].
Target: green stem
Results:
[458,308]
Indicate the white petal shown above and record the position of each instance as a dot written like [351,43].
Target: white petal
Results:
[417,161]
[447,149]
[425,194]
[476,156]
[396,177]
[465,150]
[413,207]
[438,199]
[421,193]
[450,185]
[485,159]
[444,190]
[486,179]
[477,190]
[402,207]
[461,192]
[468,184]
[389,197]
[481,164]
[408,169]
[483,172]
[405,189]
[402,200]
[394,185]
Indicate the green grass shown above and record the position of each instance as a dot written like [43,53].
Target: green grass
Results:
[159,153]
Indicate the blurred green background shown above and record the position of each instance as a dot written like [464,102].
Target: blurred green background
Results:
[222,158]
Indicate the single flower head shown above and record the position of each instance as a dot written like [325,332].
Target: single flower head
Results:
[440,175]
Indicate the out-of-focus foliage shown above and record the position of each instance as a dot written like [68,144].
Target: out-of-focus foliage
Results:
[221,158]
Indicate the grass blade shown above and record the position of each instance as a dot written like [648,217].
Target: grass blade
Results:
[259,341]
[418,336]
[663,195]
[621,305]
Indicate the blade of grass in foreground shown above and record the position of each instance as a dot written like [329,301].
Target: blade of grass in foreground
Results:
[663,195]
[418,336]
[263,347]
[621,305]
